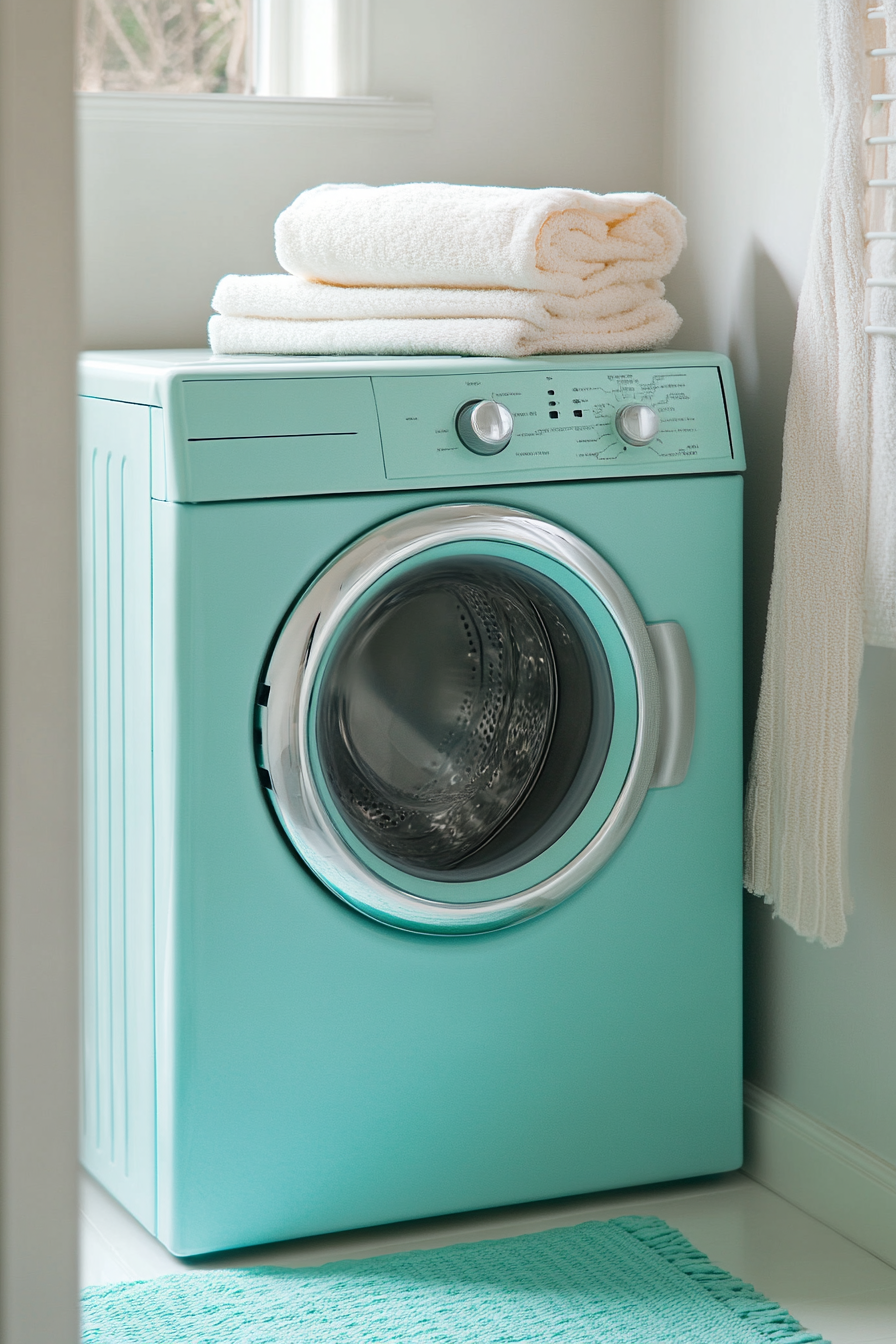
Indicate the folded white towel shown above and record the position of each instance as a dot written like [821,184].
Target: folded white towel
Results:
[643,329]
[433,233]
[291,297]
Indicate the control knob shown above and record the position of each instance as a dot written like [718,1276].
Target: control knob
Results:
[484,427]
[637,424]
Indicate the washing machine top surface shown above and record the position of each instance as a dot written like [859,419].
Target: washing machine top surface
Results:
[246,427]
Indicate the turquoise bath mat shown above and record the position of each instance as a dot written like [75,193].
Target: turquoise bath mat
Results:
[628,1281]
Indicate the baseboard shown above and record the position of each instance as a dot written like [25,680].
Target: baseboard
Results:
[821,1171]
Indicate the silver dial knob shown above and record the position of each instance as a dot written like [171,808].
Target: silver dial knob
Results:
[484,427]
[637,424]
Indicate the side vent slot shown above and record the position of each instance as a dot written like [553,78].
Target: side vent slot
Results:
[118,1106]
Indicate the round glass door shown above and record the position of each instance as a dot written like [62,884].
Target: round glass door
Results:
[464,718]
[460,719]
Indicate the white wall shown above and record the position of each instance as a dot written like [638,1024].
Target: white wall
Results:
[523,95]
[38,678]
[744,148]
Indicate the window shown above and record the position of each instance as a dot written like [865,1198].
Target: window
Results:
[311,48]
[156,46]
[292,48]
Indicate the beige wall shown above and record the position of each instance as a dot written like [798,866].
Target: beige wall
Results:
[38,678]
[743,151]
[522,96]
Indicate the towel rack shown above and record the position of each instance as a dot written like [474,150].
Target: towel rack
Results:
[878,101]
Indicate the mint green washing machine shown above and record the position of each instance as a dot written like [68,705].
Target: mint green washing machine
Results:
[412,784]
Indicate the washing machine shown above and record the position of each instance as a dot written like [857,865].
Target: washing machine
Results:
[412,793]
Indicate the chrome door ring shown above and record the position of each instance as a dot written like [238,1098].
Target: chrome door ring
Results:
[290,677]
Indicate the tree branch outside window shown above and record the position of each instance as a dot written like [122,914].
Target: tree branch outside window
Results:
[164,46]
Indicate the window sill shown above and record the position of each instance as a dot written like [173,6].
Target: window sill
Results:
[220,109]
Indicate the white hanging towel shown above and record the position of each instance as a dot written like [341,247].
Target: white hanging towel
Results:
[799,776]
[434,234]
[880,565]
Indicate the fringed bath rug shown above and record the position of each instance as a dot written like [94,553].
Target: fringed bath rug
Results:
[628,1281]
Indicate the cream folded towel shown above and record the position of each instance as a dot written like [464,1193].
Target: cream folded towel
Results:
[282,314]
[289,296]
[433,233]
[489,336]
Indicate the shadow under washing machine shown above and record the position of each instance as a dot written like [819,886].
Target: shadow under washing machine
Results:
[413,784]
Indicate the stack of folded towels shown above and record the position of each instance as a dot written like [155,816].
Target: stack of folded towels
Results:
[429,268]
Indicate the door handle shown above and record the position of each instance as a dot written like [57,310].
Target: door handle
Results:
[678,703]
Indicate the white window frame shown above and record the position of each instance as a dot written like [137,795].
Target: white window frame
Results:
[248,109]
[310,67]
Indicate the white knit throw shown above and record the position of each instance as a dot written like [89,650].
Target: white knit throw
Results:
[797,793]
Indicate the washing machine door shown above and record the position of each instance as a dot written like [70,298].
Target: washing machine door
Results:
[459,719]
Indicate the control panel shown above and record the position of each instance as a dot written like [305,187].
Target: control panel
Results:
[234,428]
[583,422]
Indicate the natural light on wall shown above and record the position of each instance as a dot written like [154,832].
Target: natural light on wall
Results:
[280,48]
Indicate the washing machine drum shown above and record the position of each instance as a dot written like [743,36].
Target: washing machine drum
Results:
[459,719]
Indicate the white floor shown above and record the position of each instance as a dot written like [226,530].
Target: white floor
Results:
[827,1282]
